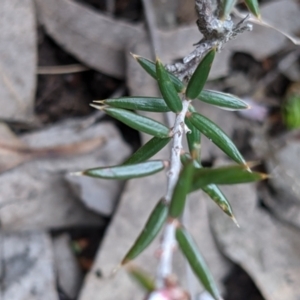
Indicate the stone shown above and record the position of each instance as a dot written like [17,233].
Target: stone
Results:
[35,194]
[69,275]
[27,266]
[265,248]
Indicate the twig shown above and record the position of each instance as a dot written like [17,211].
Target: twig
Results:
[168,242]
[216,33]
[56,70]
[264,23]
[151,24]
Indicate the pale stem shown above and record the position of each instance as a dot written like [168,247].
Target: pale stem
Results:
[168,240]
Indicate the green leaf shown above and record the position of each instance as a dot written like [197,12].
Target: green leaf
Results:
[217,136]
[227,7]
[222,100]
[167,88]
[138,122]
[291,111]
[219,198]
[224,175]
[181,190]
[150,68]
[200,75]
[190,251]
[137,103]
[148,150]
[212,190]
[253,7]
[127,171]
[142,278]
[153,226]
[194,140]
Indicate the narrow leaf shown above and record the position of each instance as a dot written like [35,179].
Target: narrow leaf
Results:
[200,75]
[222,100]
[167,88]
[144,279]
[190,251]
[148,150]
[138,122]
[181,190]
[137,103]
[224,175]
[219,198]
[227,7]
[153,226]
[194,140]
[217,136]
[212,190]
[253,7]
[150,68]
[127,171]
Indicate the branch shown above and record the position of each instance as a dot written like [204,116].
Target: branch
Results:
[168,242]
[216,33]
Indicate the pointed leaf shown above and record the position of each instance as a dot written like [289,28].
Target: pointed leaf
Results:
[144,279]
[224,175]
[153,226]
[200,75]
[253,7]
[127,171]
[227,7]
[138,122]
[167,88]
[217,136]
[194,140]
[219,198]
[137,103]
[222,100]
[181,190]
[150,68]
[148,150]
[190,250]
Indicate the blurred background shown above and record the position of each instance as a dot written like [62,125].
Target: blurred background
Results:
[61,235]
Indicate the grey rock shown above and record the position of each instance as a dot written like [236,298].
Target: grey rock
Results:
[285,173]
[69,275]
[18,59]
[264,247]
[281,154]
[28,272]
[97,195]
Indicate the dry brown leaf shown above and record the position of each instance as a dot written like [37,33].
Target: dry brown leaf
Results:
[34,195]
[14,152]
[18,58]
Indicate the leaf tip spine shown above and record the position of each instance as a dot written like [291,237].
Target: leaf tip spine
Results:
[79,173]
[99,101]
[265,176]
[235,221]
[97,106]
[115,270]
[135,56]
